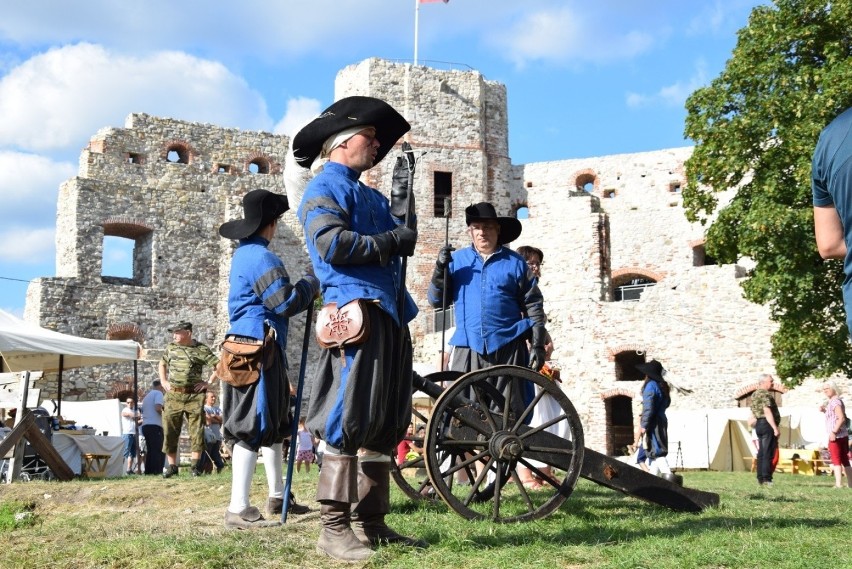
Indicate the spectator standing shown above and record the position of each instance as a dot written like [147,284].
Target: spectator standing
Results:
[767,419]
[180,373]
[838,435]
[130,419]
[304,448]
[152,428]
[212,433]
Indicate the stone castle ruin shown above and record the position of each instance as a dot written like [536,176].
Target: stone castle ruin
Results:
[625,279]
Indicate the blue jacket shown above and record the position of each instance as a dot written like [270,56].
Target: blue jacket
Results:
[260,291]
[495,301]
[339,214]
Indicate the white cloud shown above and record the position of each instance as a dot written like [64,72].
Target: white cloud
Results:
[29,185]
[565,36]
[300,111]
[59,98]
[26,245]
[673,95]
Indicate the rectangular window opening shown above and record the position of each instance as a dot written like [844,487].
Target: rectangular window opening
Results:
[443,194]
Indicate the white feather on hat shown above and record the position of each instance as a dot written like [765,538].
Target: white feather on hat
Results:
[296,178]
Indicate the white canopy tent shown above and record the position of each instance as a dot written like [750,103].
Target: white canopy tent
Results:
[719,439]
[27,347]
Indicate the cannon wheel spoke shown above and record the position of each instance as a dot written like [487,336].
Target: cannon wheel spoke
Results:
[489,423]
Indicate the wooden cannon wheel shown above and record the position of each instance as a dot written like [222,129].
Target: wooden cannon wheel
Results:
[486,425]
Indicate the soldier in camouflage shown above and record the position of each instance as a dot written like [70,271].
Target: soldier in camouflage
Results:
[180,373]
[766,419]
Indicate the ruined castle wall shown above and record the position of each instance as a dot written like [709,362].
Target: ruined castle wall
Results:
[128,187]
[599,220]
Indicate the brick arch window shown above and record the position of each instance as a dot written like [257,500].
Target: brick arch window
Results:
[618,413]
[259,163]
[587,181]
[178,152]
[123,389]
[127,252]
[628,284]
[520,209]
[124,331]
[744,394]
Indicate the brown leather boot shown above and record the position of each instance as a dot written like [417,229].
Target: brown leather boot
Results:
[336,491]
[368,516]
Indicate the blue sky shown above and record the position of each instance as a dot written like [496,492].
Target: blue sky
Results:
[583,78]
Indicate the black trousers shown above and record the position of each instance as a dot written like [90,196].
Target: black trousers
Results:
[768,444]
[154,457]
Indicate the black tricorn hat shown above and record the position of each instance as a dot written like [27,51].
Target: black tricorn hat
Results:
[510,228]
[652,369]
[260,207]
[346,113]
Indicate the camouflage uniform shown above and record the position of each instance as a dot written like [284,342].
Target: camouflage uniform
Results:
[767,441]
[185,364]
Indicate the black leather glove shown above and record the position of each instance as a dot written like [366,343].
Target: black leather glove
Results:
[537,350]
[445,255]
[398,241]
[399,189]
[406,239]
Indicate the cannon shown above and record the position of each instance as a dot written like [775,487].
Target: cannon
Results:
[483,426]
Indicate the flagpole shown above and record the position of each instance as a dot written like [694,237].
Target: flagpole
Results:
[416,26]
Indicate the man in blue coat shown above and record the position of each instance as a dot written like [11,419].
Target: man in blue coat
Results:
[360,402]
[498,304]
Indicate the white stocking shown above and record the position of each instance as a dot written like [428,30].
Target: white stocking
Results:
[243,462]
[273,463]
[659,465]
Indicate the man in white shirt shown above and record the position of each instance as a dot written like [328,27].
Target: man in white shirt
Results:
[130,419]
[152,429]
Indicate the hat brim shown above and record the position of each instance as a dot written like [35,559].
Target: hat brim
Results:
[259,207]
[510,228]
[651,371]
[347,113]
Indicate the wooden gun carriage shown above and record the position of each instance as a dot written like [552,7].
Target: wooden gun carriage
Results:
[481,430]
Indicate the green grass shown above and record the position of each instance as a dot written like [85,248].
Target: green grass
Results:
[143,522]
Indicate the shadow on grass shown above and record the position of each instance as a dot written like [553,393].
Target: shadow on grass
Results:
[595,515]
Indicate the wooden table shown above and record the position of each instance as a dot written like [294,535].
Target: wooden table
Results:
[799,461]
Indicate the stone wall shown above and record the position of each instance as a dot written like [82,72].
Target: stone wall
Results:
[602,222]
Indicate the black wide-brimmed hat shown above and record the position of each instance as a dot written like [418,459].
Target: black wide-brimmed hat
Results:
[347,113]
[260,207]
[652,369]
[510,227]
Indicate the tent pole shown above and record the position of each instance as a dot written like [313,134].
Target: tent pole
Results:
[136,407]
[59,386]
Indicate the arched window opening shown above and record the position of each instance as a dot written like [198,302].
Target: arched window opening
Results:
[745,400]
[629,288]
[625,366]
[258,165]
[586,181]
[619,419]
[523,212]
[177,153]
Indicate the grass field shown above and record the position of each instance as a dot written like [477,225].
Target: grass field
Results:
[149,522]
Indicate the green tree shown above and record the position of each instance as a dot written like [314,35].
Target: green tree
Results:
[755,127]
